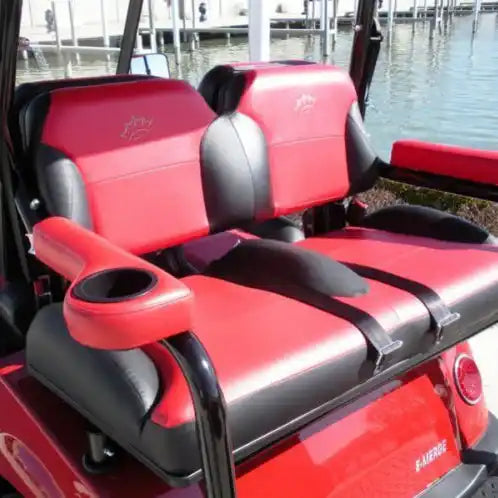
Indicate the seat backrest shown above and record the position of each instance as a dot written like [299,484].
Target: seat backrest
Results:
[22,119]
[318,150]
[138,163]
[215,81]
[124,160]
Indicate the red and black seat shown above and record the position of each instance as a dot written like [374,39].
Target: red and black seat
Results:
[278,320]
[256,89]
[111,160]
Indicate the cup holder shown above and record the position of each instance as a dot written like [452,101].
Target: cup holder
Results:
[112,286]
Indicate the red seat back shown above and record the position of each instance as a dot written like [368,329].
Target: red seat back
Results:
[317,148]
[124,160]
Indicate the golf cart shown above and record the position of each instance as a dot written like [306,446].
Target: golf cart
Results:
[169,330]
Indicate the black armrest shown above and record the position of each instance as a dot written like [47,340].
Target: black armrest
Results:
[424,221]
[270,264]
[281,229]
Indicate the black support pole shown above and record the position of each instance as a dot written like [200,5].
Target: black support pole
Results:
[210,413]
[361,48]
[129,36]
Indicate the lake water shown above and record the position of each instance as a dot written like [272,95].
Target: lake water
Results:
[443,89]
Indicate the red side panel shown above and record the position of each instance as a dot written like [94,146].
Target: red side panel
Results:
[75,252]
[137,148]
[302,110]
[467,164]
[374,447]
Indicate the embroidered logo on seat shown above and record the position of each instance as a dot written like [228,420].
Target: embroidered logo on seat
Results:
[136,128]
[305,103]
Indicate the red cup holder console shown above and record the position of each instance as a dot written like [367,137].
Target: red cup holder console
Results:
[116,300]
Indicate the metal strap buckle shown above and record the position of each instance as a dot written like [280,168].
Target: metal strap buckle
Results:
[384,352]
[442,324]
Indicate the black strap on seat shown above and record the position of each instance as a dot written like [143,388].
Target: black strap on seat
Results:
[441,315]
[238,267]
[381,347]
[380,344]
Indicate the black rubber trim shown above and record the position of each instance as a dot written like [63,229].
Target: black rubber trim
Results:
[441,316]
[486,450]
[478,463]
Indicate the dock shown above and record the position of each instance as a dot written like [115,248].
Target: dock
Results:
[106,30]
[102,30]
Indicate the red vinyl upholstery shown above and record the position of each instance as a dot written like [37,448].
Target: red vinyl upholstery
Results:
[130,148]
[479,166]
[305,126]
[455,271]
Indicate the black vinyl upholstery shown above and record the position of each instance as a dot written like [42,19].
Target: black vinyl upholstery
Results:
[282,228]
[235,171]
[61,186]
[128,383]
[287,265]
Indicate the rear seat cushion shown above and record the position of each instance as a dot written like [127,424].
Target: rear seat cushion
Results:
[274,358]
[264,391]
[464,275]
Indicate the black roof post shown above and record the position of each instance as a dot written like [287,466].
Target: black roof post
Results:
[129,35]
[366,43]
[10,20]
